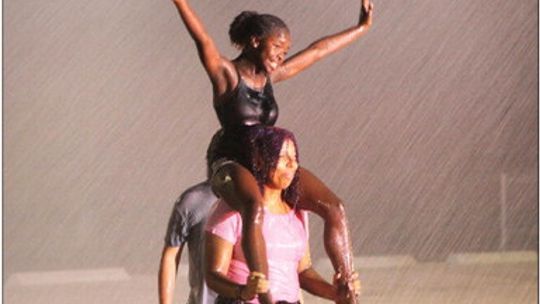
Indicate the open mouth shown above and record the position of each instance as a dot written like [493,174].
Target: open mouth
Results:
[272,65]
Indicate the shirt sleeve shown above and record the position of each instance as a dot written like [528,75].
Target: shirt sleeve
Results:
[225,223]
[178,227]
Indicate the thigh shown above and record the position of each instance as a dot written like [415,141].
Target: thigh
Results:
[236,185]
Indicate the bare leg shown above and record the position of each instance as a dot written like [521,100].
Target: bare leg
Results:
[237,186]
[316,197]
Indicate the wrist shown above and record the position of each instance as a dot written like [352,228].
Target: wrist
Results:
[240,293]
[331,293]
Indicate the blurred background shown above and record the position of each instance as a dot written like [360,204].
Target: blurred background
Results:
[427,127]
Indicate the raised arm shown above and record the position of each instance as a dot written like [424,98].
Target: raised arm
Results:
[209,54]
[325,46]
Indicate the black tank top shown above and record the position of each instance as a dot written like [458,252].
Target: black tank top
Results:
[247,107]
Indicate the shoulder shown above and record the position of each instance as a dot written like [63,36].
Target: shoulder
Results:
[224,222]
[223,212]
[196,196]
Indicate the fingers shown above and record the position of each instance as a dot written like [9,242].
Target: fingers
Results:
[262,285]
[352,283]
[258,282]
[366,13]
[337,276]
[256,274]
[357,286]
[366,5]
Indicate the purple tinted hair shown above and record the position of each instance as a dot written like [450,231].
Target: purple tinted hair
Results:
[265,145]
[257,149]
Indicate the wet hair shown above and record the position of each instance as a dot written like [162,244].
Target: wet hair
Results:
[251,23]
[256,148]
[264,148]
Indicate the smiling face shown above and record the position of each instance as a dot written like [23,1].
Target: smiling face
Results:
[286,166]
[273,49]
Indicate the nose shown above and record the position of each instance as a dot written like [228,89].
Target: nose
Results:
[292,163]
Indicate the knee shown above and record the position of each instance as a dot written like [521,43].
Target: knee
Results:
[221,178]
[217,182]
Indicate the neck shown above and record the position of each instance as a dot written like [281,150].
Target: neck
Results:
[273,201]
[247,62]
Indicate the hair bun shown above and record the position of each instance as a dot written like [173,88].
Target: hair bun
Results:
[252,24]
[240,28]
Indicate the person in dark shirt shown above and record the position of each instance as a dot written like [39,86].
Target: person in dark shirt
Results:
[186,226]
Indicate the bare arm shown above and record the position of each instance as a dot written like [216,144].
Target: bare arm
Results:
[312,282]
[214,64]
[325,46]
[170,258]
[218,258]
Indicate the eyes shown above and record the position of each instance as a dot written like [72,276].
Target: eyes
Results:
[286,159]
[281,47]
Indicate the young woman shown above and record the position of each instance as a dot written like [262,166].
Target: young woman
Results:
[243,97]
[270,154]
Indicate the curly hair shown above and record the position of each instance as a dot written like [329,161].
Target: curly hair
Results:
[257,148]
[252,24]
[264,153]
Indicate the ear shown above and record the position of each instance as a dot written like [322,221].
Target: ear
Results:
[254,41]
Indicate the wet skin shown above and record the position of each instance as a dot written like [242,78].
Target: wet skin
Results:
[262,59]
[286,167]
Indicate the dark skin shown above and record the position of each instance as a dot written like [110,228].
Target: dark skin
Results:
[219,252]
[261,59]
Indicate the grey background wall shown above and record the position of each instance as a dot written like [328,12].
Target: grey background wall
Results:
[427,127]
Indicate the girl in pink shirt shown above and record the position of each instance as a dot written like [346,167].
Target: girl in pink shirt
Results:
[271,155]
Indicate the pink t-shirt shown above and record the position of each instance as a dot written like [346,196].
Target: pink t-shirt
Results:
[286,240]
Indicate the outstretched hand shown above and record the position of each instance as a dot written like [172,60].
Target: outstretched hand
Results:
[366,13]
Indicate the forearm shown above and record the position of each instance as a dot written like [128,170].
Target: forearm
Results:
[324,47]
[332,43]
[223,285]
[192,22]
[313,283]
[166,280]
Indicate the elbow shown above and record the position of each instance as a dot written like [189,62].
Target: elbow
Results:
[210,279]
[333,210]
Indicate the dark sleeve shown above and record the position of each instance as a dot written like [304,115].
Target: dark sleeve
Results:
[179,225]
